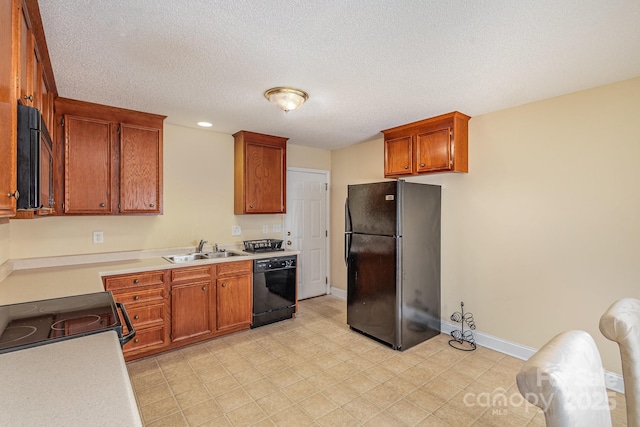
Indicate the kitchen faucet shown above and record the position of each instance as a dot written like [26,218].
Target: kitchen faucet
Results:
[201,246]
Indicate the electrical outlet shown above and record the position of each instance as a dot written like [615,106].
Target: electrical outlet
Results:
[276,228]
[236,230]
[265,228]
[98,237]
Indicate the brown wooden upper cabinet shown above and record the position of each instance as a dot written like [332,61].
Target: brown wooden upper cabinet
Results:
[260,173]
[26,76]
[438,144]
[110,159]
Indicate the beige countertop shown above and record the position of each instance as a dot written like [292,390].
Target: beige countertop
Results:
[77,382]
[34,284]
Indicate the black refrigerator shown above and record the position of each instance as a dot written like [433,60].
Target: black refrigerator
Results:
[392,252]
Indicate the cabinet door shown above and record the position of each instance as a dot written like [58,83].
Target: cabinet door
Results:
[26,59]
[192,312]
[8,110]
[140,169]
[87,166]
[397,156]
[433,151]
[265,179]
[233,302]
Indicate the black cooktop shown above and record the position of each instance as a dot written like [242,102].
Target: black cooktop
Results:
[30,324]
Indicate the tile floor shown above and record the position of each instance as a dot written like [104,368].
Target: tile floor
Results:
[313,370]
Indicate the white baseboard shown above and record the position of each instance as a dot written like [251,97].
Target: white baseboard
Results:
[612,380]
[339,293]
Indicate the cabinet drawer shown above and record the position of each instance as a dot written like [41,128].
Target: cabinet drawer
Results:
[235,268]
[140,296]
[148,337]
[142,316]
[190,273]
[132,280]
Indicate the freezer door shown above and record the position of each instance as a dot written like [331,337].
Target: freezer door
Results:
[371,290]
[372,208]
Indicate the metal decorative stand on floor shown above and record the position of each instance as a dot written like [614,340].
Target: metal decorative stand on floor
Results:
[463,340]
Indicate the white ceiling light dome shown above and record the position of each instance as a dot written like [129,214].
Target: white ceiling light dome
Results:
[286,98]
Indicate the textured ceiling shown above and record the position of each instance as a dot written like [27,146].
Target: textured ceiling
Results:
[366,64]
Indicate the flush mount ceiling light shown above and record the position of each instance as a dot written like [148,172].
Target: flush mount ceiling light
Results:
[286,98]
[205,124]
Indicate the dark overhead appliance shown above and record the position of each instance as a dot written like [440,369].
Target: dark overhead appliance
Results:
[35,323]
[274,289]
[392,252]
[35,161]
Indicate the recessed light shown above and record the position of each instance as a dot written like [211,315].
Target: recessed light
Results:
[205,124]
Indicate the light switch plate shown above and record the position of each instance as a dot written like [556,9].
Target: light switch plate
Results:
[276,228]
[236,230]
[98,237]
[265,228]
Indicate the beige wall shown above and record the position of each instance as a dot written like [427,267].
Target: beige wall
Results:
[4,240]
[543,233]
[198,203]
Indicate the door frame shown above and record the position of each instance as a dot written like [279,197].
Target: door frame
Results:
[327,177]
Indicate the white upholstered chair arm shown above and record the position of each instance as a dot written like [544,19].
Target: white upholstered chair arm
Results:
[621,323]
[565,379]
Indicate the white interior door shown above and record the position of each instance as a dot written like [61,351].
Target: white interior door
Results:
[305,228]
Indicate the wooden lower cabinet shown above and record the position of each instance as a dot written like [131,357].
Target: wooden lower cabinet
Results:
[234,300]
[145,298]
[192,303]
[233,303]
[184,305]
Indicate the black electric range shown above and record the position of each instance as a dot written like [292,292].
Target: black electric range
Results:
[35,323]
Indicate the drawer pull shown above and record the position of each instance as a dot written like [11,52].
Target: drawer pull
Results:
[136,281]
[406,167]
[224,285]
[204,288]
[136,317]
[421,165]
[102,205]
[136,298]
[136,340]
[152,205]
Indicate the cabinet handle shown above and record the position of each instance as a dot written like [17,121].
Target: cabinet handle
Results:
[250,206]
[15,194]
[102,205]
[224,285]
[28,98]
[152,205]
[136,341]
[204,288]
[136,281]
[136,317]
[421,165]
[406,167]
[136,298]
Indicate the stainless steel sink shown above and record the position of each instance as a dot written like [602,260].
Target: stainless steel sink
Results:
[178,259]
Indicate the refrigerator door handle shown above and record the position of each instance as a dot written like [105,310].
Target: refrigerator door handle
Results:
[347,232]
[347,216]
[347,247]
